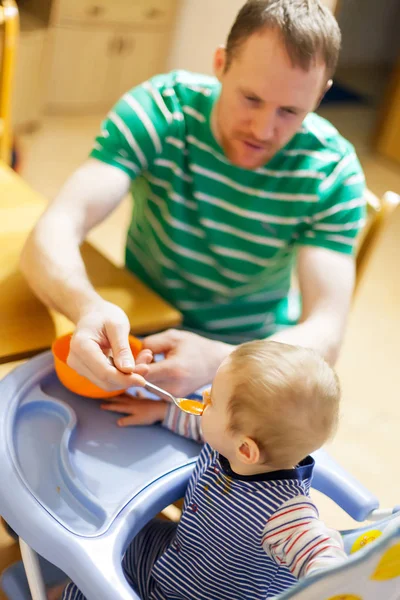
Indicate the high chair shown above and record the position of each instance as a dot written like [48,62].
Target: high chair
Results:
[77,489]
[10,22]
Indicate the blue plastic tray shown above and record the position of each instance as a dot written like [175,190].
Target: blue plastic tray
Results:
[72,478]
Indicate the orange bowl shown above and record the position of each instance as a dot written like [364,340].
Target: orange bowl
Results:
[71,379]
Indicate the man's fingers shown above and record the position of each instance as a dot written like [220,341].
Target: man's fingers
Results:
[166,374]
[161,343]
[87,359]
[90,362]
[141,369]
[85,372]
[145,357]
[122,354]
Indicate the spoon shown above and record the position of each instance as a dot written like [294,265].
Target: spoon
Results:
[192,407]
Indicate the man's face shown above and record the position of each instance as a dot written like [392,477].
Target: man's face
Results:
[264,99]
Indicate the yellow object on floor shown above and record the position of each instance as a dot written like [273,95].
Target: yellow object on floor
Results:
[9,552]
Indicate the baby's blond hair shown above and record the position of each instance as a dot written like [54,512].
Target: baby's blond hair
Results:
[285,398]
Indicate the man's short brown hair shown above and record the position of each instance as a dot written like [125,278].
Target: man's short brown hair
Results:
[309,30]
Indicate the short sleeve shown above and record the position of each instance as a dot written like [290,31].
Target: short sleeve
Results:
[339,214]
[133,133]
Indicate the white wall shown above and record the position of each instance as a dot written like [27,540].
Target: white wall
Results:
[370,31]
[202,25]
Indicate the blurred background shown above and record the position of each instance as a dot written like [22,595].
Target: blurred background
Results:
[76,57]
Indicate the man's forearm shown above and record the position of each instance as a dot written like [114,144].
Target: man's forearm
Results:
[51,260]
[317,333]
[52,264]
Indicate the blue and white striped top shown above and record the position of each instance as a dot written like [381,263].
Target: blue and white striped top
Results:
[241,537]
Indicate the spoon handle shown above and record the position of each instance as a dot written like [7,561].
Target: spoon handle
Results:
[154,389]
[150,387]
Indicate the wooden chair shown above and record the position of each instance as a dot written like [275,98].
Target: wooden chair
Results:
[379,213]
[9,19]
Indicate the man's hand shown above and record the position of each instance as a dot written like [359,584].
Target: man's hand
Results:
[103,330]
[191,361]
[140,411]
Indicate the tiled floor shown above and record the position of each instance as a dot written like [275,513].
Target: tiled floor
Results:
[367,441]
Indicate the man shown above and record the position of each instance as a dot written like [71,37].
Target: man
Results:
[234,181]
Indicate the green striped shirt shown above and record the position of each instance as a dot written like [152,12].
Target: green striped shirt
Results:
[217,241]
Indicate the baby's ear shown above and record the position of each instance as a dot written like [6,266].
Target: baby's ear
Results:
[248,451]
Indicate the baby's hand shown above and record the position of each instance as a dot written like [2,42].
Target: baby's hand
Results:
[145,357]
[140,410]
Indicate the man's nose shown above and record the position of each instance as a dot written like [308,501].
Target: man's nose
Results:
[263,125]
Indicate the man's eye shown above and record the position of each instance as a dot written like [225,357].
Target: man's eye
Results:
[252,99]
[288,111]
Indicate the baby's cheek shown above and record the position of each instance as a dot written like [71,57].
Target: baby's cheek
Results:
[206,424]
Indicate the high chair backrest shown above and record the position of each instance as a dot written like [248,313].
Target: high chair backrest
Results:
[379,213]
[9,20]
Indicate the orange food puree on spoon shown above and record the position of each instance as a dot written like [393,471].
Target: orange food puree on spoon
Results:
[191,406]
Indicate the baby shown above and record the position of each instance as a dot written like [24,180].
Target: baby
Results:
[249,528]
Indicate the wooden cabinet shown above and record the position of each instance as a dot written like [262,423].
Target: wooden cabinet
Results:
[134,58]
[100,49]
[91,69]
[142,12]
[79,68]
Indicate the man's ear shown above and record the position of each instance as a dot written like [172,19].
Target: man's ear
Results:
[248,451]
[219,62]
[326,90]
